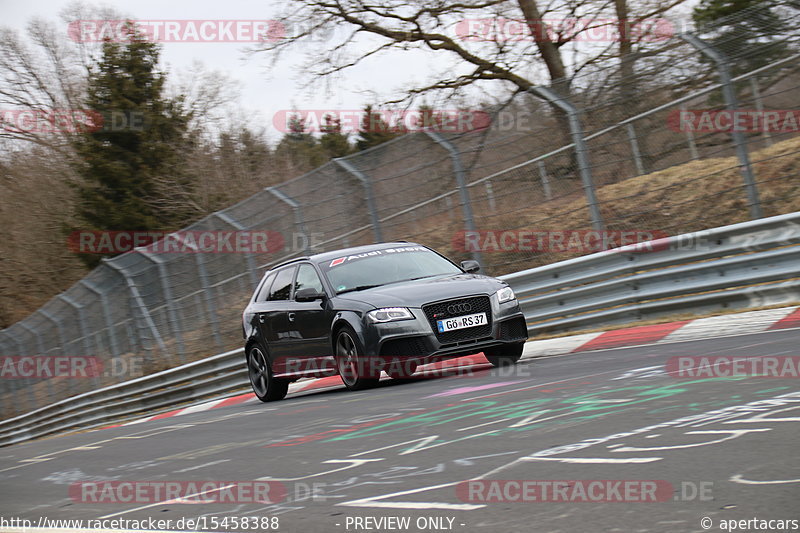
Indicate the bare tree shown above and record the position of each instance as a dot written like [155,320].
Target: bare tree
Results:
[497,47]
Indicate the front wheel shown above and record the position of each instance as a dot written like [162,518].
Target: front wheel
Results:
[353,367]
[266,386]
[501,356]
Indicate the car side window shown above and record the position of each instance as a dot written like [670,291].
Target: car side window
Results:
[264,292]
[282,286]
[307,278]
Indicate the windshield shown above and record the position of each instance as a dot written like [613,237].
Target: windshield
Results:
[380,267]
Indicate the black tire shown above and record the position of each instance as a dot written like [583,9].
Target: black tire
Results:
[353,367]
[266,387]
[501,356]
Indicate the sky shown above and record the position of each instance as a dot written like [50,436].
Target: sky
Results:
[265,91]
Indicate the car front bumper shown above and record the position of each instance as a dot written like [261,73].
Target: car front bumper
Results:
[415,339]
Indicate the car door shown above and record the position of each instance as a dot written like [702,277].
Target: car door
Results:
[258,309]
[310,322]
[273,319]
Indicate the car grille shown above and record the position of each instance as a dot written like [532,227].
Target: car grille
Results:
[406,347]
[439,310]
[513,329]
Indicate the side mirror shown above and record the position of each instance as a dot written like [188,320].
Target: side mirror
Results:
[470,266]
[308,294]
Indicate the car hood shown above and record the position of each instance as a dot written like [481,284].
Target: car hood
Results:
[418,292]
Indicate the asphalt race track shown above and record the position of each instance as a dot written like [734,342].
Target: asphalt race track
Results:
[718,449]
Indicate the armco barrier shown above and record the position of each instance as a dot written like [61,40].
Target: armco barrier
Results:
[742,265]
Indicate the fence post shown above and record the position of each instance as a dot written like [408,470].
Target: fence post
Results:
[637,155]
[61,337]
[10,386]
[548,194]
[296,209]
[28,382]
[581,153]
[367,183]
[760,107]
[81,325]
[731,104]
[139,303]
[59,326]
[251,264]
[690,139]
[166,288]
[35,334]
[112,334]
[490,196]
[458,170]
[209,297]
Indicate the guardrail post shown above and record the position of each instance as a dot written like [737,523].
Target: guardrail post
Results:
[367,183]
[461,182]
[739,141]
[581,153]
[139,304]
[296,209]
[251,264]
[166,288]
[112,333]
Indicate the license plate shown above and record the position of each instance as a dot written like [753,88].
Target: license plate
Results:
[461,322]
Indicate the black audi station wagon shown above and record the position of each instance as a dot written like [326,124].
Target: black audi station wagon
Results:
[383,307]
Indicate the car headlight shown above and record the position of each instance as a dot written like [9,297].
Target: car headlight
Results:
[505,295]
[390,314]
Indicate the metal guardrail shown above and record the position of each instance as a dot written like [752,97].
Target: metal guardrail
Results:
[742,265]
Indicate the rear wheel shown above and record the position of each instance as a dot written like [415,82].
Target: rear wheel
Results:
[266,387]
[504,355]
[353,367]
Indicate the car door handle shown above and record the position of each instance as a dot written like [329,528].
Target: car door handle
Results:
[291,317]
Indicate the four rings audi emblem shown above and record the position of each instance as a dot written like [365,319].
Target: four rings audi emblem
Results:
[455,309]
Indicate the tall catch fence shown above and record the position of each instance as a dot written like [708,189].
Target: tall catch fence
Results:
[639,146]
